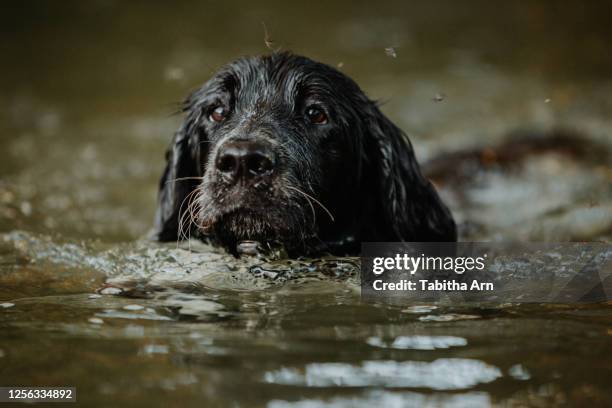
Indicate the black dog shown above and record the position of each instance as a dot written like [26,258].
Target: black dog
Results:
[284,149]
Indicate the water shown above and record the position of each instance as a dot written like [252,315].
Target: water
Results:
[88,92]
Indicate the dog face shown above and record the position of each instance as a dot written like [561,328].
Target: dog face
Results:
[284,149]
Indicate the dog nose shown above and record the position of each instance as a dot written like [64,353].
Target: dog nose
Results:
[245,160]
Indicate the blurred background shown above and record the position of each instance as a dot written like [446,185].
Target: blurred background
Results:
[89,90]
[509,108]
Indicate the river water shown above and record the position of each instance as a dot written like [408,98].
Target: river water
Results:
[508,104]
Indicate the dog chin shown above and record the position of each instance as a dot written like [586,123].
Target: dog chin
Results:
[264,226]
[244,225]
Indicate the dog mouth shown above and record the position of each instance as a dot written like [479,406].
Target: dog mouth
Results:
[248,224]
[266,228]
[250,217]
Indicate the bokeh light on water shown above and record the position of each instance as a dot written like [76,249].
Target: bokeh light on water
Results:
[89,91]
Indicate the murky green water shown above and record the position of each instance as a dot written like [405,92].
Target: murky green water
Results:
[87,94]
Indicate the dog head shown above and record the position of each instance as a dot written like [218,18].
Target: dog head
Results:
[284,149]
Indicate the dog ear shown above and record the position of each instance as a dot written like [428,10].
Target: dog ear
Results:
[178,180]
[404,204]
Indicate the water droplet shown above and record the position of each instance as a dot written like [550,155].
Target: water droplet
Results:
[391,52]
[439,97]
[248,248]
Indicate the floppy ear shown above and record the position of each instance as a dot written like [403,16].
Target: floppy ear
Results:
[182,162]
[401,199]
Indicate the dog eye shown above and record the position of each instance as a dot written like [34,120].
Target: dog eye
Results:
[218,114]
[316,115]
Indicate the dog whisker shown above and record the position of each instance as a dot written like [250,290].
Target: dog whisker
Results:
[183,219]
[184,178]
[314,214]
[313,199]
